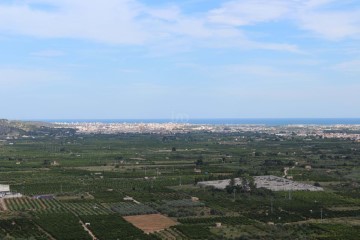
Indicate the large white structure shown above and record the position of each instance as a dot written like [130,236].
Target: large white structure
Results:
[4,188]
[273,183]
[5,192]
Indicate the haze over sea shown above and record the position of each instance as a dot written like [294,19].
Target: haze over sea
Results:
[217,121]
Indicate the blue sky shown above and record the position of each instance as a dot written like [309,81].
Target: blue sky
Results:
[194,58]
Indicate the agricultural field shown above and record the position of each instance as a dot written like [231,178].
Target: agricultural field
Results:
[151,223]
[21,228]
[62,226]
[117,186]
[127,209]
[113,226]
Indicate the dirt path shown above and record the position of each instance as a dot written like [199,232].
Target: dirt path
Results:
[45,232]
[345,220]
[83,224]
[3,206]
[88,230]
[132,199]
[42,204]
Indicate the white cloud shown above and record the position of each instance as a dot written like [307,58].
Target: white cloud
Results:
[330,24]
[48,53]
[247,12]
[27,77]
[171,13]
[349,66]
[112,22]
[315,16]
[134,23]
[255,75]
[121,22]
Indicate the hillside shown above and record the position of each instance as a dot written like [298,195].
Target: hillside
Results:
[10,128]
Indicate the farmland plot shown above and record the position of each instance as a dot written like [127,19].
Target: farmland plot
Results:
[151,223]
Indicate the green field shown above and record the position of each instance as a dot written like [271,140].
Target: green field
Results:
[93,174]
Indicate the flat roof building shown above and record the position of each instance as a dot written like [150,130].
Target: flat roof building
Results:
[4,188]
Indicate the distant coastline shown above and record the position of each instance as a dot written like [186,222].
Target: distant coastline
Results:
[224,121]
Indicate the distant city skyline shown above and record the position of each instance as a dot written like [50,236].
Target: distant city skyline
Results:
[142,59]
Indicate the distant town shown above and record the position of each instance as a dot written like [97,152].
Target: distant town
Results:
[340,131]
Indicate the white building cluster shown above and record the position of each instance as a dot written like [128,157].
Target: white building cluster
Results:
[275,183]
[270,182]
[286,131]
[6,193]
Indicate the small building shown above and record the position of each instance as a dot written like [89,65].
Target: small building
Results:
[194,199]
[47,196]
[127,198]
[4,188]
[218,224]
[54,163]
[308,167]
[196,170]
[6,193]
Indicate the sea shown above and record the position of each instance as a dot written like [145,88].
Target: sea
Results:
[224,121]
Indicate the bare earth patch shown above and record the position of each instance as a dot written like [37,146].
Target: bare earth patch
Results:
[3,206]
[151,223]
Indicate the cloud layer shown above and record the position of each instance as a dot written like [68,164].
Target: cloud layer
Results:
[143,58]
[132,22]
